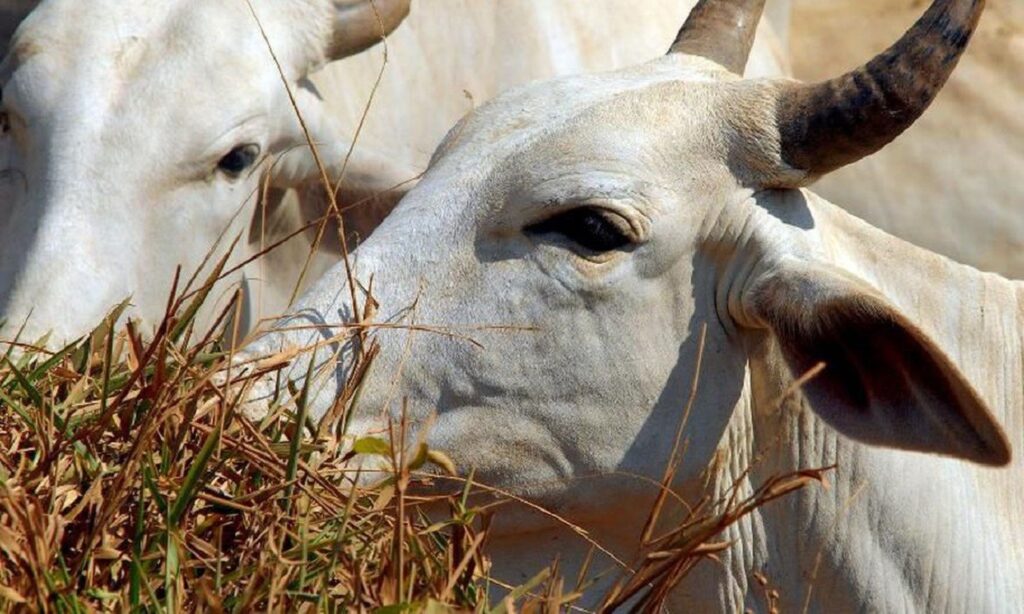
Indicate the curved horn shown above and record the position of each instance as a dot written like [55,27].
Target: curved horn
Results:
[721,31]
[361,24]
[828,125]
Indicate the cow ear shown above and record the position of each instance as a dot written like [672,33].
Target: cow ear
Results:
[884,381]
[361,24]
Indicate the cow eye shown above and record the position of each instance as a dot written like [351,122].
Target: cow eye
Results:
[588,227]
[239,159]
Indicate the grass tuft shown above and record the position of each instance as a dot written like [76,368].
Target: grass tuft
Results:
[130,480]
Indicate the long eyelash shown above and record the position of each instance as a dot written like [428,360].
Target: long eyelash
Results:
[569,224]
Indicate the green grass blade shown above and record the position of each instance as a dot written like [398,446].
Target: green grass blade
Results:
[14,342]
[108,358]
[302,409]
[172,566]
[52,362]
[25,384]
[154,490]
[522,590]
[193,478]
[138,574]
[18,409]
[189,315]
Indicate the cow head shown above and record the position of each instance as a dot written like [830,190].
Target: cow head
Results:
[135,134]
[584,232]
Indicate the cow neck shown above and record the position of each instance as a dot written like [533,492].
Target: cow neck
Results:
[893,528]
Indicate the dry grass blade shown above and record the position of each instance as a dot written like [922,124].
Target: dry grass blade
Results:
[672,556]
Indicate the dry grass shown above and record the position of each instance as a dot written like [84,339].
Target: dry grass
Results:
[130,481]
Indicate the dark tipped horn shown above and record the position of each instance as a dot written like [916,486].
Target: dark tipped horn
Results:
[721,31]
[825,126]
[361,24]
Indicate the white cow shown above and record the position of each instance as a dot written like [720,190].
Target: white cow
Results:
[133,136]
[139,134]
[614,217]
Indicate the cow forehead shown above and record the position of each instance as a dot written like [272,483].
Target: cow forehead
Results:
[573,118]
[67,27]
[121,39]
[196,68]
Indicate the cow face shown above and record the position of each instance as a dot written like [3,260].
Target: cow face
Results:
[588,256]
[568,240]
[544,296]
[134,137]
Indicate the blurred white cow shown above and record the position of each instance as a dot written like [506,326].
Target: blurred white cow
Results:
[620,214]
[139,133]
[134,134]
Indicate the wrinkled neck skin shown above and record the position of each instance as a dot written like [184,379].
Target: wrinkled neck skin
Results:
[892,527]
